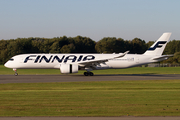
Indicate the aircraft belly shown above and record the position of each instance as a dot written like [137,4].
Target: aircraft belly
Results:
[36,66]
[120,64]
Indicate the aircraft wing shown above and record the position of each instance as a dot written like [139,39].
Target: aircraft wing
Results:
[162,57]
[98,61]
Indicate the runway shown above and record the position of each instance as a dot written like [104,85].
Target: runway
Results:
[80,78]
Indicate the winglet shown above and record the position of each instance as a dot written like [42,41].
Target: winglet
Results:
[122,55]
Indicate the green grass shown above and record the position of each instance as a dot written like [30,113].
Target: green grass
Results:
[135,70]
[110,98]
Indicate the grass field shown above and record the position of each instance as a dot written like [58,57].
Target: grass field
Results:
[113,98]
[135,70]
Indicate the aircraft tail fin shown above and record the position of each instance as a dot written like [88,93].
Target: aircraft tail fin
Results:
[158,47]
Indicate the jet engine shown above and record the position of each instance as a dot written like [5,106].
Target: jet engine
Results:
[69,68]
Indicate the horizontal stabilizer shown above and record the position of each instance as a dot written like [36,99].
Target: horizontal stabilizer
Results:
[162,57]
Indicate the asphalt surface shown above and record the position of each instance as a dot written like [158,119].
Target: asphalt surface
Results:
[78,78]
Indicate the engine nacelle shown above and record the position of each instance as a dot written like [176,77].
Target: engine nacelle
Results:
[69,68]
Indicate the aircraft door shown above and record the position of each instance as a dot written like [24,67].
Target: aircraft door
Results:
[21,60]
[137,59]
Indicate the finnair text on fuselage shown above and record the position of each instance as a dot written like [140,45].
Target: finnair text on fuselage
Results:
[60,59]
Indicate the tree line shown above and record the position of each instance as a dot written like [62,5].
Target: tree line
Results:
[79,44]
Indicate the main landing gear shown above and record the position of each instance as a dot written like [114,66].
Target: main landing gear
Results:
[88,73]
[16,74]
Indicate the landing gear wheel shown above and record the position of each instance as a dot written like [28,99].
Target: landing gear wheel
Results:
[86,73]
[91,74]
[15,70]
[16,74]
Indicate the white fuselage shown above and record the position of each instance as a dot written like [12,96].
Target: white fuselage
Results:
[51,61]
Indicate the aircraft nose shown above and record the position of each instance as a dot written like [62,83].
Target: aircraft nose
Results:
[6,64]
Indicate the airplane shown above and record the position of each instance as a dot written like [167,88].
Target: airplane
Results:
[72,63]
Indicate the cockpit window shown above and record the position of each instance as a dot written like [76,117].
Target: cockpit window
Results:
[11,59]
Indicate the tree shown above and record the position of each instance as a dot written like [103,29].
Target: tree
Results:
[46,45]
[3,51]
[149,44]
[68,48]
[172,47]
[110,45]
[138,46]
[84,45]
[55,48]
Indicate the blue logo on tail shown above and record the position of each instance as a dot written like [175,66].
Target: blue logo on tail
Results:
[158,45]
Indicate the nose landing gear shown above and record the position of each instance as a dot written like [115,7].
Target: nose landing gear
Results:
[16,74]
[88,73]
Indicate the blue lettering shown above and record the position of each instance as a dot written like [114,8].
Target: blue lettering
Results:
[44,57]
[37,59]
[80,58]
[57,58]
[157,45]
[89,57]
[28,58]
[71,57]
